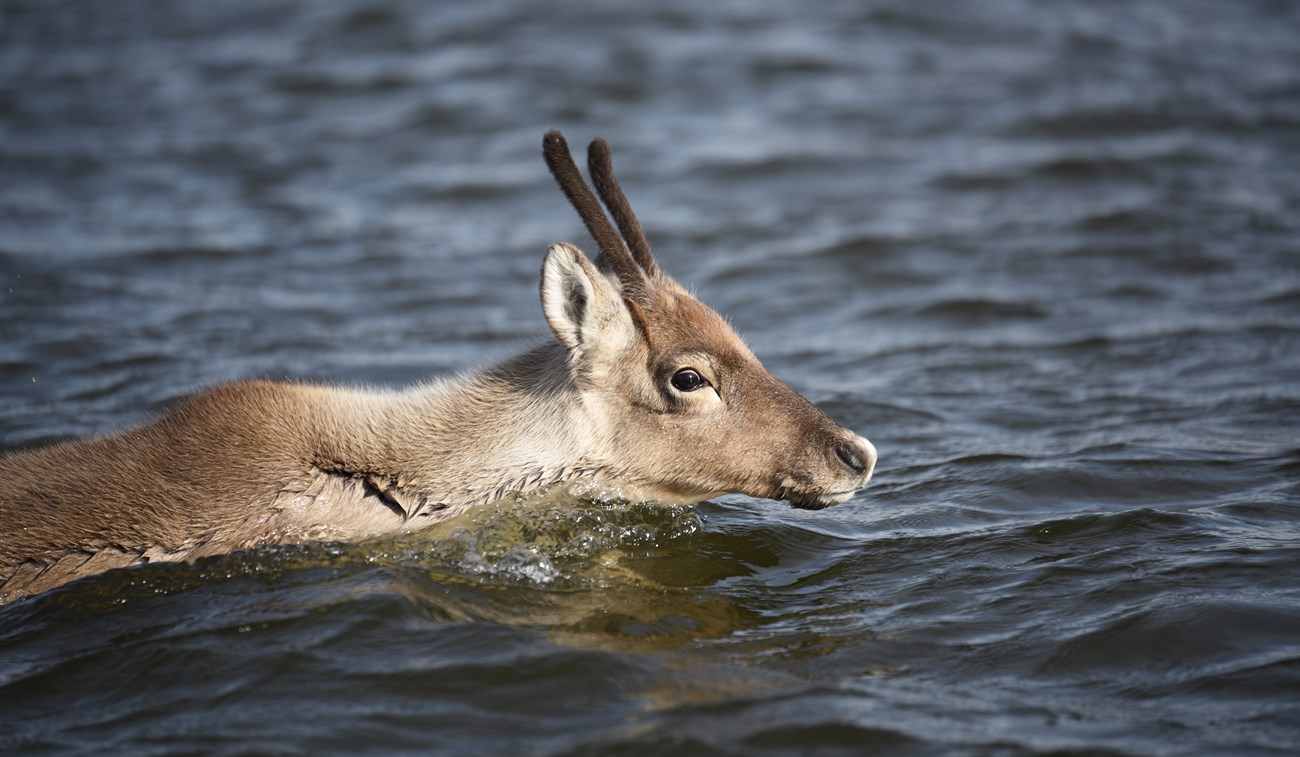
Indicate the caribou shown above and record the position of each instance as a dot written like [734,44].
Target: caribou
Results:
[644,391]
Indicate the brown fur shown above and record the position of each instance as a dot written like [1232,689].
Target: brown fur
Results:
[257,462]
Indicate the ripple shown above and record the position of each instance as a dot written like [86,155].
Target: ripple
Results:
[1177,641]
[1043,256]
[979,309]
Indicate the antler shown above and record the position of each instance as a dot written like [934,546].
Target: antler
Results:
[601,167]
[612,247]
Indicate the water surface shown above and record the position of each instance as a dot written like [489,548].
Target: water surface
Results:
[1044,256]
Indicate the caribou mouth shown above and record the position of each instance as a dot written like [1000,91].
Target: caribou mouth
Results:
[819,501]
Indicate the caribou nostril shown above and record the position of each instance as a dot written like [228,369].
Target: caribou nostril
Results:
[851,458]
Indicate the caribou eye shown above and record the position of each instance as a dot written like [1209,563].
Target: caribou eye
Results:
[688,380]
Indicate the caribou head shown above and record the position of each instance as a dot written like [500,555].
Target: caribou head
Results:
[689,410]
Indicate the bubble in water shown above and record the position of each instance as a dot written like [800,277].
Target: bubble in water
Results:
[685,524]
[473,562]
[640,535]
[528,563]
[585,544]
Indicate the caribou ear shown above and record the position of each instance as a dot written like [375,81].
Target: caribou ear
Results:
[580,305]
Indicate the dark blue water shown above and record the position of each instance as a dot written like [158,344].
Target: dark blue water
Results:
[1046,256]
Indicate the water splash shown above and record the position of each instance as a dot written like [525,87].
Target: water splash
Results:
[550,539]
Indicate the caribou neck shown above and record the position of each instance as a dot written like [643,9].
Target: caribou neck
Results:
[516,426]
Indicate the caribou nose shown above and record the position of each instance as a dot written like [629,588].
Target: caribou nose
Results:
[858,456]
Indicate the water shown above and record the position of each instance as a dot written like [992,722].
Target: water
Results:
[1043,255]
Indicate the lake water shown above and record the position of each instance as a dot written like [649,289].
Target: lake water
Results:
[1045,256]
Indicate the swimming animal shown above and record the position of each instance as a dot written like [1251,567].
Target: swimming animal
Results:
[644,390]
